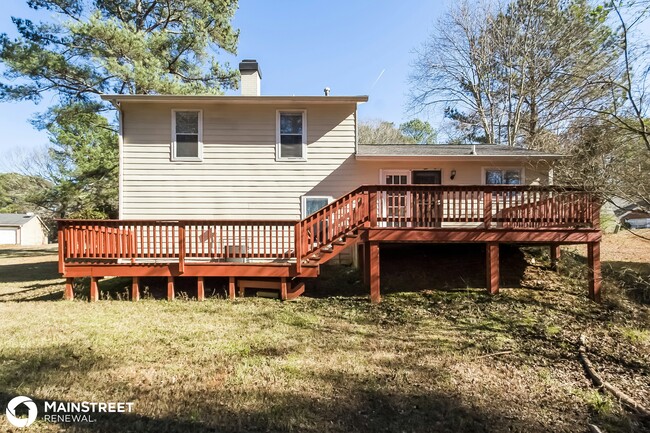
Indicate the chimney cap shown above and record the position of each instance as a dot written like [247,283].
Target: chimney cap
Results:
[250,65]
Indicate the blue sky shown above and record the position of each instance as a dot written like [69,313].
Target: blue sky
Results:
[360,47]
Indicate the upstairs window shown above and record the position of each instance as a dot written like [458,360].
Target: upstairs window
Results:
[187,135]
[510,176]
[291,136]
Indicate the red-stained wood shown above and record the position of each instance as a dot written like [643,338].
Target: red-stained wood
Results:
[471,235]
[297,233]
[595,275]
[61,246]
[555,255]
[135,289]
[284,288]
[295,291]
[487,209]
[375,295]
[366,263]
[94,289]
[200,289]
[68,294]
[492,268]
[231,287]
[170,289]
[181,248]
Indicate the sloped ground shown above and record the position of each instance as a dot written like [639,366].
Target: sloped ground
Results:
[437,355]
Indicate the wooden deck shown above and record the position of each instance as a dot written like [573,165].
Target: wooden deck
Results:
[281,253]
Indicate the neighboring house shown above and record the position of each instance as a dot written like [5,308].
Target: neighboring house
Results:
[635,216]
[258,186]
[22,229]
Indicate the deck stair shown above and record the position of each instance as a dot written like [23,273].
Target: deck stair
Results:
[287,290]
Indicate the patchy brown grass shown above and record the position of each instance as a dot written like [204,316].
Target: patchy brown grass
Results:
[426,359]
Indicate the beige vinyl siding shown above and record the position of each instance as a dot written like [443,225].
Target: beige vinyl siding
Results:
[239,177]
[354,173]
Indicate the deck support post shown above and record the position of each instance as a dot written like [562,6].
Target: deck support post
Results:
[94,289]
[374,271]
[283,289]
[170,288]
[231,287]
[68,294]
[200,289]
[492,267]
[135,289]
[555,255]
[366,263]
[595,276]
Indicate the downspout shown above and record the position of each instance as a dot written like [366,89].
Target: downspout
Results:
[120,145]
[356,129]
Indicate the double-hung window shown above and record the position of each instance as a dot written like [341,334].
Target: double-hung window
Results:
[187,135]
[291,136]
[312,204]
[509,176]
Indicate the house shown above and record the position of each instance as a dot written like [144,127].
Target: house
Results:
[632,215]
[265,189]
[22,229]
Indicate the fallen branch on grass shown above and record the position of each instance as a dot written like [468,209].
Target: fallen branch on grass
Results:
[594,428]
[601,384]
[505,352]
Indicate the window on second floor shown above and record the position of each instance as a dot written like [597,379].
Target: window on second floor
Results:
[291,136]
[187,135]
[509,176]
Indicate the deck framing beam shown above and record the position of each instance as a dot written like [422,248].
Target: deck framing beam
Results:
[474,235]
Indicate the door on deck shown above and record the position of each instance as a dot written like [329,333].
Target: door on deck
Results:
[395,204]
[427,205]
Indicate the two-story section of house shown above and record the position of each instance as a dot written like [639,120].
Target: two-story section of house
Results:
[278,157]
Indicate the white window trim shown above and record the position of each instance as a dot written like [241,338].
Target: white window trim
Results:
[383,172]
[304,136]
[173,156]
[303,202]
[522,173]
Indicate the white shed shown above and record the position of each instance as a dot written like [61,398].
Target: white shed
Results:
[22,229]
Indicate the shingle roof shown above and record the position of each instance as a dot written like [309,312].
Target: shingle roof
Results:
[15,219]
[448,150]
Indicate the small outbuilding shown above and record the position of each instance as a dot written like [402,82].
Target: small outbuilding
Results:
[22,229]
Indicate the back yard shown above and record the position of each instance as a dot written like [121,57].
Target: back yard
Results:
[437,355]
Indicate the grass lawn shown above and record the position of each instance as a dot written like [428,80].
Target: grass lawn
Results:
[437,354]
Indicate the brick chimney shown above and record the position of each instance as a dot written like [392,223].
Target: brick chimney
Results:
[251,75]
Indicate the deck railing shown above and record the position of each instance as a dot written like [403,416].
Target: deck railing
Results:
[385,206]
[147,240]
[491,206]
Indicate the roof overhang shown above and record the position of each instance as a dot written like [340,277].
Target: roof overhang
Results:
[222,99]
